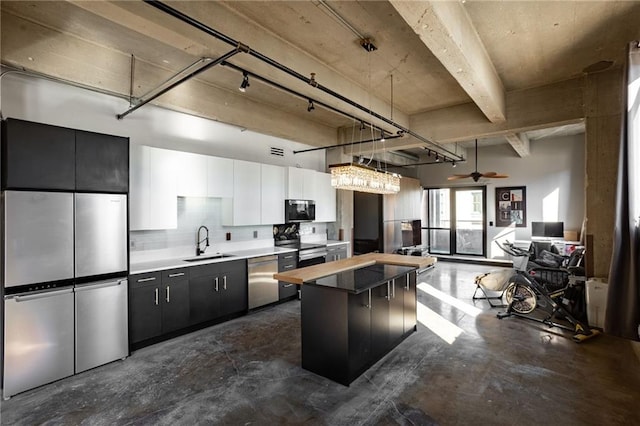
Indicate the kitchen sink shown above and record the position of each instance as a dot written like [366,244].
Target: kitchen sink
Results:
[208,257]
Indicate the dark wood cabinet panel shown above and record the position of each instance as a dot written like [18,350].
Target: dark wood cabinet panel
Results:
[145,313]
[217,290]
[37,156]
[410,301]
[359,333]
[233,279]
[102,162]
[344,333]
[287,262]
[175,305]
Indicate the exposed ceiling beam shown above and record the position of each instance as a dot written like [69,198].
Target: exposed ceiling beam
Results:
[446,29]
[519,142]
[540,107]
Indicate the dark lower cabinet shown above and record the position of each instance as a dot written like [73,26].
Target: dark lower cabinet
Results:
[145,314]
[410,301]
[37,156]
[158,304]
[204,293]
[359,329]
[217,290]
[344,333]
[102,162]
[233,278]
[287,262]
[175,300]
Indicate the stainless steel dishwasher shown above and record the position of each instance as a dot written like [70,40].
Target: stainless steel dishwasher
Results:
[263,288]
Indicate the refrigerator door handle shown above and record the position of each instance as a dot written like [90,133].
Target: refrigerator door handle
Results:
[25,298]
[168,298]
[97,286]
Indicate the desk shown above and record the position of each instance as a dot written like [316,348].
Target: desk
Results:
[562,247]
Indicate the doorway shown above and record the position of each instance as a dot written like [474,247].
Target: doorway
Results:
[367,223]
[455,220]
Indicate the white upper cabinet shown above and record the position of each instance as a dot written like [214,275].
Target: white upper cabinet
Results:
[273,194]
[220,177]
[325,198]
[192,174]
[153,189]
[244,208]
[301,184]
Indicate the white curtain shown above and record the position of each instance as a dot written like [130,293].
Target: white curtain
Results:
[623,301]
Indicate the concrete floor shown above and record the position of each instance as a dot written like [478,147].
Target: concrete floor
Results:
[247,371]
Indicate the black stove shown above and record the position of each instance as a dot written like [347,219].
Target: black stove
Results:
[288,236]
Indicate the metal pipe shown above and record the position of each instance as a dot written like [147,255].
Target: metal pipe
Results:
[220,36]
[345,144]
[300,95]
[180,81]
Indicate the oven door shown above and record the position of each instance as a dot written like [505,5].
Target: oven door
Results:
[311,261]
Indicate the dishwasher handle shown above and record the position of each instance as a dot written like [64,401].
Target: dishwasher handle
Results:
[261,260]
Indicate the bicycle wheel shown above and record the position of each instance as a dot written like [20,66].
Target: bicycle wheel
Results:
[520,297]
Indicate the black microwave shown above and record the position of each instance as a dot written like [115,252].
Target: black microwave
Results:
[299,210]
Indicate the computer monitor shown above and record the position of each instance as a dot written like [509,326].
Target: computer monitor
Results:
[547,229]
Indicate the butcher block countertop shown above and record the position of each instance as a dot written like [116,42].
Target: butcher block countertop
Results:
[311,273]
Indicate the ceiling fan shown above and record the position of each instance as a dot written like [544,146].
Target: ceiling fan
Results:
[477,175]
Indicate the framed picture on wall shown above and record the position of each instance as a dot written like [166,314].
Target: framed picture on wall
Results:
[511,206]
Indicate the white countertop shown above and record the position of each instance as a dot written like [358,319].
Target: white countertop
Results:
[179,262]
[336,242]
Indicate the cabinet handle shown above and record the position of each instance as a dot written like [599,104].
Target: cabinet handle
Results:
[156,295]
[179,274]
[287,285]
[407,287]
[144,280]
[224,282]
[289,257]
[393,288]
[287,266]
[368,306]
[388,296]
[167,294]
[216,283]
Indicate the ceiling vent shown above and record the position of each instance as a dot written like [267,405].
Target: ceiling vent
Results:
[278,152]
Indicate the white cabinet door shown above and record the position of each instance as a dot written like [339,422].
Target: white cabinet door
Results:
[244,208]
[219,177]
[301,184]
[191,173]
[295,183]
[153,189]
[325,198]
[273,194]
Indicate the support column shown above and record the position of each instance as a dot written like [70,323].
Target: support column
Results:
[344,203]
[603,111]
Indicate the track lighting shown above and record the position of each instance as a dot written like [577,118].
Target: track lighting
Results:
[437,158]
[310,107]
[428,152]
[245,82]
[382,139]
[453,164]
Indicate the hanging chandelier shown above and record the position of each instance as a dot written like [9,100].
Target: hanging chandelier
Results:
[361,178]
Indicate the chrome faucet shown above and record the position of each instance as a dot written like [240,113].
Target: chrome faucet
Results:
[199,241]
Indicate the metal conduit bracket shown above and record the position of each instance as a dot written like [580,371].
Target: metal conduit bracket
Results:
[243,48]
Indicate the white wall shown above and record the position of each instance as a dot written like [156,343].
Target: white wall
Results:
[553,176]
[44,101]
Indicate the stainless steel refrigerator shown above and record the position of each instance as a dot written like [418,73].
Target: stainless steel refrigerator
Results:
[65,291]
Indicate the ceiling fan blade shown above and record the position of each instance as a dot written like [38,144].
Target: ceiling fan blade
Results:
[456,177]
[494,175]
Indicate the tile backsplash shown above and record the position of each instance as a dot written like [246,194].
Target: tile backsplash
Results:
[196,211]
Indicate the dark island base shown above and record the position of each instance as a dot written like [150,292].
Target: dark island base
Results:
[345,333]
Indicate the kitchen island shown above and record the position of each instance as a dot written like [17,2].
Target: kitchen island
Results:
[354,311]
